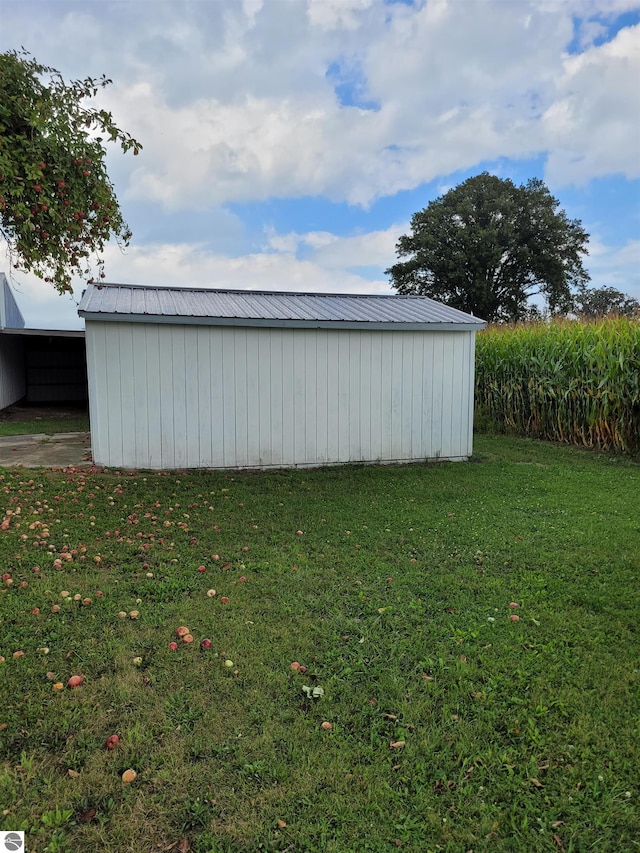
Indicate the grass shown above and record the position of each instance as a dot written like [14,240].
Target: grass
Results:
[454,728]
[26,421]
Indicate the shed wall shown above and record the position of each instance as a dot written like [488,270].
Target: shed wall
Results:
[12,371]
[178,396]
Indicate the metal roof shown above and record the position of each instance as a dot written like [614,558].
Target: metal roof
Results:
[140,304]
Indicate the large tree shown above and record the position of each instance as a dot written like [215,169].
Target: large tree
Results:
[602,301]
[487,246]
[58,207]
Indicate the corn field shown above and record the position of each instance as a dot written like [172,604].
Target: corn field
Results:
[568,381]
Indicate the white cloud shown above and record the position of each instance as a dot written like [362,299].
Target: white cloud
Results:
[234,102]
[253,100]
[615,266]
[183,265]
[334,14]
[593,127]
[456,84]
[332,252]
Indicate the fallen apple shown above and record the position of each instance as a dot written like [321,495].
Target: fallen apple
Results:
[182,630]
[211,593]
[173,646]
[134,614]
[57,686]
[75,681]
[228,663]
[327,726]
[225,600]
[187,638]
[122,615]
[137,661]
[112,742]
[202,569]
[206,644]
[294,665]
[129,776]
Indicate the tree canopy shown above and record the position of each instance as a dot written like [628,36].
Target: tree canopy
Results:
[487,246]
[601,301]
[58,207]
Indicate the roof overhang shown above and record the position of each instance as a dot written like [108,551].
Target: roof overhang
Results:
[159,319]
[44,333]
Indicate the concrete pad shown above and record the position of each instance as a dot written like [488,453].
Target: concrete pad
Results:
[65,450]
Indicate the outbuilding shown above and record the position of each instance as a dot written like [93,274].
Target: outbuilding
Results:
[204,378]
[38,366]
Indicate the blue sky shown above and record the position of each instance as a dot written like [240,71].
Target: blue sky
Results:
[288,142]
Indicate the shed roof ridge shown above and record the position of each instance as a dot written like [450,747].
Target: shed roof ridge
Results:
[261,292]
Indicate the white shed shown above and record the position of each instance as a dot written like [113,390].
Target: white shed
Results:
[196,378]
[12,375]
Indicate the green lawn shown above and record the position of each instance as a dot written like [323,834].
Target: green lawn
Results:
[454,726]
[28,422]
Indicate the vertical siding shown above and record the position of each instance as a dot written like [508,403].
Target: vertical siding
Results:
[164,396]
[10,315]
[151,376]
[12,371]
[96,369]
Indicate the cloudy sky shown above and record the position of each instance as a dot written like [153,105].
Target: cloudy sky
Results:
[288,142]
